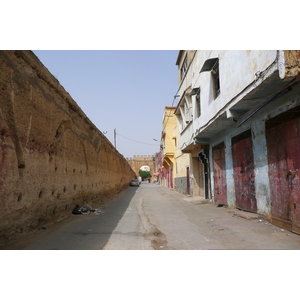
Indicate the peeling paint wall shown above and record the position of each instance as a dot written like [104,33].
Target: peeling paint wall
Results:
[261,166]
[257,126]
[51,155]
[238,69]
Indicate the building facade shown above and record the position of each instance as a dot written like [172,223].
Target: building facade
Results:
[190,172]
[239,118]
[168,142]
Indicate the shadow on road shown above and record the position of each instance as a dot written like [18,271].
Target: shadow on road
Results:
[79,232]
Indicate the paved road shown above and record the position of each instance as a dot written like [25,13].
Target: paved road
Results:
[153,217]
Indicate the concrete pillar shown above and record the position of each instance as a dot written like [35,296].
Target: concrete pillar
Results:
[262,187]
[229,172]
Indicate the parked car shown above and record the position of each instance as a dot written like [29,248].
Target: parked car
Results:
[135,182]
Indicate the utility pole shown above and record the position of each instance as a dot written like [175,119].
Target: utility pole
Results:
[115,138]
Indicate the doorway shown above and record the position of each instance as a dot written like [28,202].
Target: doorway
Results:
[244,176]
[204,157]
[283,146]
[220,189]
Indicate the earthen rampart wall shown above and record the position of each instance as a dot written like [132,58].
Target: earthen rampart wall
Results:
[52,156]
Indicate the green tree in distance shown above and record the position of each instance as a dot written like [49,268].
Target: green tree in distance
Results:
[144,174]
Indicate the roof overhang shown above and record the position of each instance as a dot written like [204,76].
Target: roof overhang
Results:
[268,88]
[188,149]
[203,137]
[279,93]
[237,113]
[192,148]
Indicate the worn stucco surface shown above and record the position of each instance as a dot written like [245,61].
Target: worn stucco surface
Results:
[52,157]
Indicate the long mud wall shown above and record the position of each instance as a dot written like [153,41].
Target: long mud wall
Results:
[52,156]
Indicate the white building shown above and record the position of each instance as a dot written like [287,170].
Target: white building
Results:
[240,112]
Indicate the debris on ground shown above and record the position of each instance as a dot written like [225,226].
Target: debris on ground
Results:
[98,212]
[77,210]
[86,209]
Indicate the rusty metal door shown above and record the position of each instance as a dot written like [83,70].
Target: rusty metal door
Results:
[292,129]
[220,189]
[244,177]
[283,144]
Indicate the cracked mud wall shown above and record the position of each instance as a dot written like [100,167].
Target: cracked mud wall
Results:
[51,155]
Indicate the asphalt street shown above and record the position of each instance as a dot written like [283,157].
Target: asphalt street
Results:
[153,217]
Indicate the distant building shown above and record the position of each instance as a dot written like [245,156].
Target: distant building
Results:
[144,162]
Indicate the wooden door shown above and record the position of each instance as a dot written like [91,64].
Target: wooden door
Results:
[283,144]
[244,176]
[220,189]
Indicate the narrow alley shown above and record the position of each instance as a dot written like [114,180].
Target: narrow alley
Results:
[152,217]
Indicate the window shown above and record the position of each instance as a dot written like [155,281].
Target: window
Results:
[196,92]
[216,80]
[198,104]
[187,113]
[183,67]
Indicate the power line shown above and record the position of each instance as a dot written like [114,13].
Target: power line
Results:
[134,140]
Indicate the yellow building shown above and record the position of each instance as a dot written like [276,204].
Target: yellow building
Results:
[168,146]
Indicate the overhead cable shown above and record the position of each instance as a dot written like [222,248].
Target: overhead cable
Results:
[136,141]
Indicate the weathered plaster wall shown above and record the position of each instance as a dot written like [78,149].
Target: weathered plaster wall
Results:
[180,184]
[234,77]
[260,155]
[51,155]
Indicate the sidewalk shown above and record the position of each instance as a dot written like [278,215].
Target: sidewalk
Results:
[195,223]
[197,200]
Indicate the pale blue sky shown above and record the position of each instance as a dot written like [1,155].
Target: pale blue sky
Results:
[126,90]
